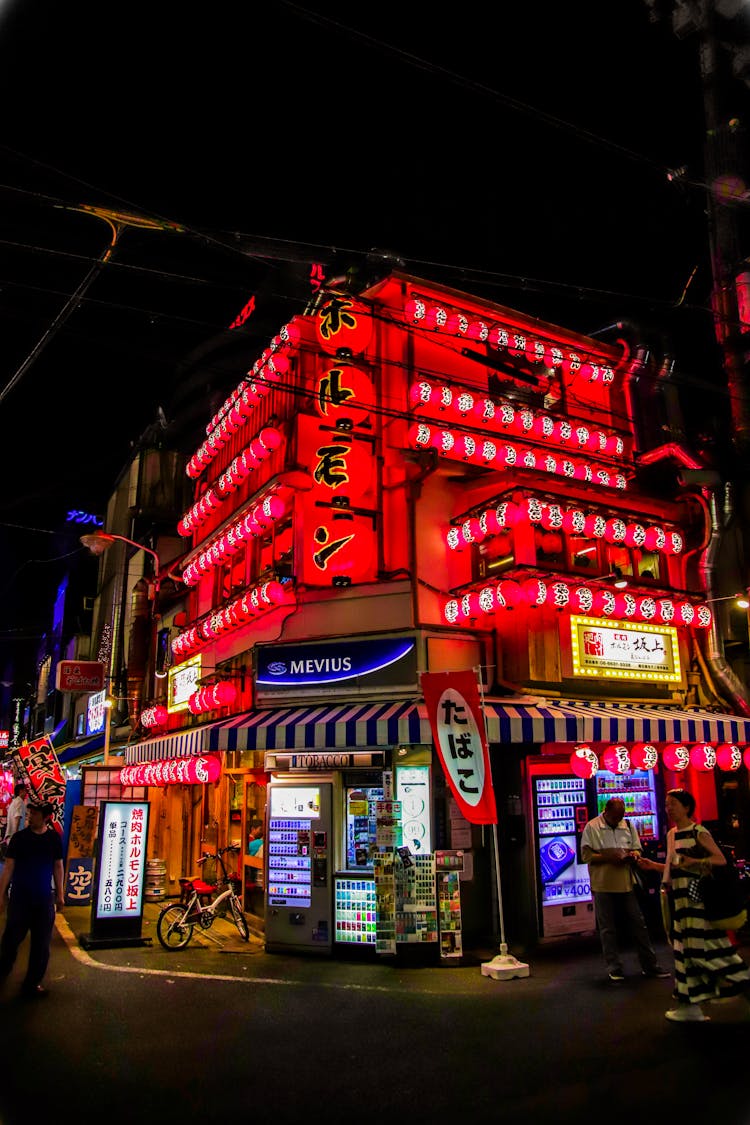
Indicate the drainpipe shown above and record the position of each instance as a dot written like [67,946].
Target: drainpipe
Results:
[725,677]
[733,686]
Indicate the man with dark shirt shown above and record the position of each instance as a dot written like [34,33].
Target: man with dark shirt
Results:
[33,865]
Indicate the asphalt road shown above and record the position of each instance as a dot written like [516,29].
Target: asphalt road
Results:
[225,1031]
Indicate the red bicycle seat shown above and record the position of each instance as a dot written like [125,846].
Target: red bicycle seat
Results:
[203,888]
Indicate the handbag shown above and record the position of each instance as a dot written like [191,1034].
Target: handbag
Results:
[723,897]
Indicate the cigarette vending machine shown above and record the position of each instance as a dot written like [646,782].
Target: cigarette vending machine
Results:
[299,865]
[559,810]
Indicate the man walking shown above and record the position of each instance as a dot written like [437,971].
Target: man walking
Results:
[16,811]
[34,863]
[610,846]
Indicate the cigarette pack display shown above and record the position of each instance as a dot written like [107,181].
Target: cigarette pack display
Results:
[554,856]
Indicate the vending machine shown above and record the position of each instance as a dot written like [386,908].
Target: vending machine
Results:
[299,865]
[559,810]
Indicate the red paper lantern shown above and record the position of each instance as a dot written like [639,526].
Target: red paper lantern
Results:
[508,594]
[616,759]
[746,758]
[584,762]
[702,757]
[643,756]
[558,595]
[655,539]
[626,606]
[582,599]
[534,592]
[676,756]
[342,321]
[635,535]
[604,603]
[684,613]
[728,756]
[344,391]
[703,617]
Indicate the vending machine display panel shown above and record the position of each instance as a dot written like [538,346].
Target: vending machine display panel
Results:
[355,910]
[638,790]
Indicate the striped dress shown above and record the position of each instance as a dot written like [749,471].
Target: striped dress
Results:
[706,964]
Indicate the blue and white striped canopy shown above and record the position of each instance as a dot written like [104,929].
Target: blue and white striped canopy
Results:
[391,724]
[364,725]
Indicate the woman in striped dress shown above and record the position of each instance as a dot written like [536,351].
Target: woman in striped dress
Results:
[707,966]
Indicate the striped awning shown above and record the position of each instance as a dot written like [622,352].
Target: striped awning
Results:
[320,728]
[393,724]
[180,744]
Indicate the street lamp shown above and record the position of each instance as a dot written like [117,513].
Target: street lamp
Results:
[100,541]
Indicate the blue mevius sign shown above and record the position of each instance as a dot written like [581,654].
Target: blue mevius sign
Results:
[382,661]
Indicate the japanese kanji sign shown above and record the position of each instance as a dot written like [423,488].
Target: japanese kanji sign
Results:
[39,764]
[457,723]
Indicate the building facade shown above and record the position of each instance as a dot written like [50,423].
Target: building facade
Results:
[410,479]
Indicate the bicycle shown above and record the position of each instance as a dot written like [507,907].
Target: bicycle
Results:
[177,920]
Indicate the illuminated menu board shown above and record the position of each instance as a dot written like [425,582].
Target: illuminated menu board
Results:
[122,859]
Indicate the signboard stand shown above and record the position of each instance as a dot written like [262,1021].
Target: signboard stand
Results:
[117,904]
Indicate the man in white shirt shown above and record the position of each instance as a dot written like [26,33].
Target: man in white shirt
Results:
[610,845]
[17,811]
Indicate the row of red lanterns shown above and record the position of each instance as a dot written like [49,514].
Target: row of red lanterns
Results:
[235,615]
[272,367]
[258,520]
[265,442]
[289,336]
[596,601]
[459,446]
[555,517]
[436,318]
[222,694]
[502,417]
[676,756]
[198,770]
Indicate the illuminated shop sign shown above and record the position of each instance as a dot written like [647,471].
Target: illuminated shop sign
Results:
[183,682]
[382,661]
[617,650]
[325,760]
[122,859]
[96,713]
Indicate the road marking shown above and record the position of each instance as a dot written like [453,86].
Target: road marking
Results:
[83,957]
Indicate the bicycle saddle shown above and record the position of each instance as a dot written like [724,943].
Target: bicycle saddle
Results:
[203,888]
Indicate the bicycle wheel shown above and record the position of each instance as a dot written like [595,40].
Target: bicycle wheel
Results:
[240,920]
[171,929]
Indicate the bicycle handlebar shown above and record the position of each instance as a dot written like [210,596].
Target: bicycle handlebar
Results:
[219,854]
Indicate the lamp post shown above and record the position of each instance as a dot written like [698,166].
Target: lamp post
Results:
[107,727]
[98,542]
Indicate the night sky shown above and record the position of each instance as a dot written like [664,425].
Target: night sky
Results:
[518,151]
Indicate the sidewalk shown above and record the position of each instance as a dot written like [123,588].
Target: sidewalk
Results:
[221,936]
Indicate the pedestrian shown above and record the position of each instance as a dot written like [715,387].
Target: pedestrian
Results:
[16,811]
[255,839]
[33,865]
[610,846]
[707,965]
